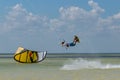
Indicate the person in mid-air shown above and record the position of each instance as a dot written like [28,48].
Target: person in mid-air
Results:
[75,40]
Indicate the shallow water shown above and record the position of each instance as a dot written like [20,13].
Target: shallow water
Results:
[61,69]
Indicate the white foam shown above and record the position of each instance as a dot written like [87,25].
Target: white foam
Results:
[86,64]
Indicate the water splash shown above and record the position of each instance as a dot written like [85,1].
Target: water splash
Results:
[86,64]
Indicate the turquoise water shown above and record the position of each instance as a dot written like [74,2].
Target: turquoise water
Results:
[88,68]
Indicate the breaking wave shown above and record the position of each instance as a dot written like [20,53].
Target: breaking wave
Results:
[87,64]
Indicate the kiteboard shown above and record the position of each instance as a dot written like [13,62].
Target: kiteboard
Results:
[23,55]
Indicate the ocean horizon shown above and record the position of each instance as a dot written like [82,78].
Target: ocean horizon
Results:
[69,55]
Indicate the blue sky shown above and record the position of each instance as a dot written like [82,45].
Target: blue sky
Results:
[42,24]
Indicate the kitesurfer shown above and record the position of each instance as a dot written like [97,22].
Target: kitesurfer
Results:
[75,40]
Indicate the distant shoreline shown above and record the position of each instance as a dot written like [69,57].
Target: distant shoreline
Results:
[71,55]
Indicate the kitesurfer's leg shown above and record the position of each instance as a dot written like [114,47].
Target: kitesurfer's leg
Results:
[72,44]
[67,45]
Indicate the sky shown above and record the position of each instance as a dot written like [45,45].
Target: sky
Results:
[41,25]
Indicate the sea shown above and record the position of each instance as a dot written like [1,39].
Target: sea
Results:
[63,66]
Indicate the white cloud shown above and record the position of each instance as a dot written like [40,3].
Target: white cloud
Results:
[20,19]
[116,16]
[72,19]
[71,13]
[112,23]
[77,20]
[96,9]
